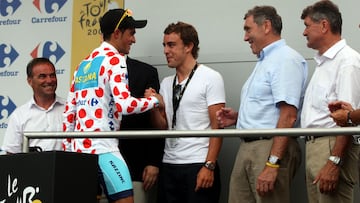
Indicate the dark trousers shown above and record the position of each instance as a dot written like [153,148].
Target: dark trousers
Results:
[177,184]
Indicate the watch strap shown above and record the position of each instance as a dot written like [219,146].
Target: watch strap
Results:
[275,160]
[349,121]
[209,165]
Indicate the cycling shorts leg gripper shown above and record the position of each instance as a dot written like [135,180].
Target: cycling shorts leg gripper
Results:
[115,174]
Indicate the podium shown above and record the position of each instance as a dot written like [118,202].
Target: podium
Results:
[48,177]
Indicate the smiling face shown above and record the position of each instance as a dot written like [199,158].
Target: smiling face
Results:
[174,49]
[43,80]
[126,39]
[254,34]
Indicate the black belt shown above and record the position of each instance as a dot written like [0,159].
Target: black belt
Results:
[309,138]
[251,139]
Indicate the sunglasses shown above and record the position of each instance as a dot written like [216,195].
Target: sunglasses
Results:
[127,13]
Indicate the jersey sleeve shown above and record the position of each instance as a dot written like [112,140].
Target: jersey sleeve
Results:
[125,103]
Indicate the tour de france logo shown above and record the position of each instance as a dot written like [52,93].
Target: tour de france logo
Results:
[15,194]
[91,12]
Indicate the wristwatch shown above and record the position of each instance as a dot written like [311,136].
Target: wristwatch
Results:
[335,159]
[349,121]
[274,160]
[209,165]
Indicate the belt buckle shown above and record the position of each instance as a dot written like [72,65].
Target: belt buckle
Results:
[309,138]
[356,139]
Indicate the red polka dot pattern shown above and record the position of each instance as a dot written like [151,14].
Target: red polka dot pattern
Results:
[99,107]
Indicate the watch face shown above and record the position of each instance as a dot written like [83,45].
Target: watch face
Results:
[273,159]
[336,160]
[210,165]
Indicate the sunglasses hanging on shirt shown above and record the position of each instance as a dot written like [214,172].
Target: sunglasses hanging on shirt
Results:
[178,92]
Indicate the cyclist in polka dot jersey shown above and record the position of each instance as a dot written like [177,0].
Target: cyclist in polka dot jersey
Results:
[98,98]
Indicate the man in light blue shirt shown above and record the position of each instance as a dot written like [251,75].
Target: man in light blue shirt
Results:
[271,98]
[279,76]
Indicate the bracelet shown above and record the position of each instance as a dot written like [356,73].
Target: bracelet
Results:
[272,165]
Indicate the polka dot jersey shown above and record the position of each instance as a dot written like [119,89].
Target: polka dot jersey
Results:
[98,98]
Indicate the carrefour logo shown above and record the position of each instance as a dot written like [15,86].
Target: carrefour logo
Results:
[9,5]
[8,55]
[7,8]
[49,7]
[7,106]
[48,49]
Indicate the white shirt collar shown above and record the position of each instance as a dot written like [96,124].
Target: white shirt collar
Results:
[330,53]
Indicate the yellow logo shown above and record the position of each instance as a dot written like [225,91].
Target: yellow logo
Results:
[87,67]
[85,78]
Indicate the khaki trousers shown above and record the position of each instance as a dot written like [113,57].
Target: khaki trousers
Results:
[317,154]
[142,196]
[250,162]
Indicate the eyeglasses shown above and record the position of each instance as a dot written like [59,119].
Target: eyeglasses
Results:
[127,13]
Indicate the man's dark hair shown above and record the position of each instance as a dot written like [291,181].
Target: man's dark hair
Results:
[34,62]
[324,10]
[188,35]
[262,13]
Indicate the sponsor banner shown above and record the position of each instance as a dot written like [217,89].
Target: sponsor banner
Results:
[86,34]
[64,31]
[37,28]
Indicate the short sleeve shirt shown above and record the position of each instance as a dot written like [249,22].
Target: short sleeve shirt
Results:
[279,76]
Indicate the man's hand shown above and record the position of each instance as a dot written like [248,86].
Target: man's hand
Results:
[339,112]
[152,92]
[149,92]
[150,175]
[266,180]
[226,117]
[336,105]
[328,178]
[340,117]
[205,179]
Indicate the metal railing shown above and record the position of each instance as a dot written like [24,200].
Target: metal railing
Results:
[293,132]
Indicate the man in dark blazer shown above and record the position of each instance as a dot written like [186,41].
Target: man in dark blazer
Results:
[143,156]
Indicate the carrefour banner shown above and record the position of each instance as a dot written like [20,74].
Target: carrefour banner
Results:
[64,31]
